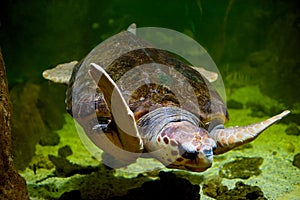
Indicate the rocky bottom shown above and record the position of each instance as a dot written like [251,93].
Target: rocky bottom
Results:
[267,168]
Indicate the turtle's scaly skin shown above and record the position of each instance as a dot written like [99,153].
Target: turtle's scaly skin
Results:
[236,136]
[131,98]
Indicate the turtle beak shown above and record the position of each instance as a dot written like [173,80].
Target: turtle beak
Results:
[232,137]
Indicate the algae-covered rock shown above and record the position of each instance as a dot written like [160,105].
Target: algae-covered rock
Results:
[294,118]
[242,191]
[290,147]
[40,162]
[65,151]
[49,138]
[51,107]
[213,187]
[51,104]
[296,160]
[65,168]
[242,168]
[28,124]
[292,129]
[37,112]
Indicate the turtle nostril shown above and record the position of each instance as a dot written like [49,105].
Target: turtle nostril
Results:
[214,147]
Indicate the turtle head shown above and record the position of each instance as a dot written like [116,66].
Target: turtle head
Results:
[173,136]
[189,148]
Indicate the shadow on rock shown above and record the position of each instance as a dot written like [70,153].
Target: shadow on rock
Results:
[168,187]
[101,185]
[214,189]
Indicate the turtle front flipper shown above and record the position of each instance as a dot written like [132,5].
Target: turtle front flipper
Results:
[232,137]
[122,130]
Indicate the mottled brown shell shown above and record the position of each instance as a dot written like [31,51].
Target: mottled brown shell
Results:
[148,78]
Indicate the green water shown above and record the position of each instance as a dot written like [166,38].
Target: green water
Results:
[255,45]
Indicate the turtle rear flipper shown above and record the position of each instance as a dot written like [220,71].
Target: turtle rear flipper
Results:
[209,75]
[127,144]
[132,28]
[232,137]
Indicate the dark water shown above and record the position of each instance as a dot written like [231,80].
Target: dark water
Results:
[39,34]
[252,43]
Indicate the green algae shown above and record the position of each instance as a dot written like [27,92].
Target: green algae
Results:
[36,116]
[277,73]
[278,175]
[242,168]
[26,120]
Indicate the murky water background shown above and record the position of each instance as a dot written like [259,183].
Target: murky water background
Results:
[255,45]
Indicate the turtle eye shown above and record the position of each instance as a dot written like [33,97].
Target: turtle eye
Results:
[190,155]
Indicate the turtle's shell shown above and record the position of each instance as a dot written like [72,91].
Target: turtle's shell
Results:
[148,78]
[132,98]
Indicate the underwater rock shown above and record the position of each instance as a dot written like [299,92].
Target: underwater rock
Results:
[33,121]
[294,118]
[64,168]
[65,151]
[40,162]
[234,104]
[296,160]
[242,191]
[168,187]
[292,129]
[290,147]
[242,168]
[27,123]
[49,139]
[51,105]
[213,187]
[12,185]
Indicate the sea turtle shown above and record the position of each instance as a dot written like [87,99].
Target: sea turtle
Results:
[163,108]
